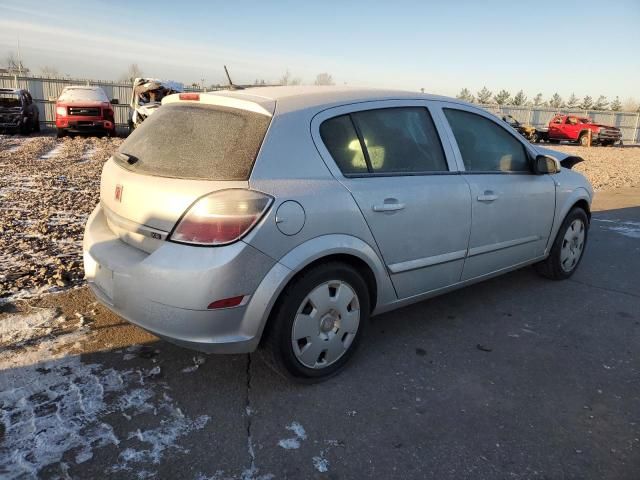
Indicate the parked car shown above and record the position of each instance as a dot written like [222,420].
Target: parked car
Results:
[85,109]
[529,132]
[576,129]
[146,98]
[18,113]
[284,217]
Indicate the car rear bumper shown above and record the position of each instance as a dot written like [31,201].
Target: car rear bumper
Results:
[167,291]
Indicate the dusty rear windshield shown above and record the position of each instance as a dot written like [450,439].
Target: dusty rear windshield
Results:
[204,142]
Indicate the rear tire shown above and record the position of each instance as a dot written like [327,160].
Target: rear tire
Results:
[568,248]
[317,324]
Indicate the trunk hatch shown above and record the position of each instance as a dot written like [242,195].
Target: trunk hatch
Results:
[179,154]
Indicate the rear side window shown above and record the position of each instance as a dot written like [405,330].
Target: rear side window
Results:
[484,145]
[340,137]
[204,142]
[400,141]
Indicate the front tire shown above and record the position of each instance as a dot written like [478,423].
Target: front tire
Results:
[584,140]
[568,247]
[60,133]
[317,323]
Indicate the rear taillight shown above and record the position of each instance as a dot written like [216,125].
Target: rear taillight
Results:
[190,96]
[220,218]
[61,111]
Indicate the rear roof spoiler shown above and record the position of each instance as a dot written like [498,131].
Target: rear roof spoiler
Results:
[569,162]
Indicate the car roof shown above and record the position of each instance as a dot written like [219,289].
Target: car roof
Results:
[292,98]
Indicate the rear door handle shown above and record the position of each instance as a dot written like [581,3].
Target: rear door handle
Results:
[487,196]
[388,207]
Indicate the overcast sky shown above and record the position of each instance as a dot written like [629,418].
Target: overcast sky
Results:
[586,47]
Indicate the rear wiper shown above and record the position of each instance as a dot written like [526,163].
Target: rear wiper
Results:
[125,157]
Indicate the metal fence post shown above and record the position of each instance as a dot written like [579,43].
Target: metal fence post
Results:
[636,134]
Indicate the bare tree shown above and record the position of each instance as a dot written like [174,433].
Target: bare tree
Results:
[323,79]
[133,72]
[14,64]
[49,71]
[286,79]
[630,105]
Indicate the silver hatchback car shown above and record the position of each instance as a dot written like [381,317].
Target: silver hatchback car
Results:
[285,217]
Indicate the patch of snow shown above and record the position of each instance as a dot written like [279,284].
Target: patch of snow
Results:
[321,464]
[197,361]
[54,152]
[294,442]
[52,404]
[627,228]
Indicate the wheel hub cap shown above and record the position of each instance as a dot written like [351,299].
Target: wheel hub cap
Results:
[326,324]
[572,245]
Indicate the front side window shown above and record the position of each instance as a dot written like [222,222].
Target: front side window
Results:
[484,145]
[400,141]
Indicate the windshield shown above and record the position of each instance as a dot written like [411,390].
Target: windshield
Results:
[205,142]
[83,94]
[9,100]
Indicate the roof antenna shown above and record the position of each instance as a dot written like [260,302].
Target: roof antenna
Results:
[231,85]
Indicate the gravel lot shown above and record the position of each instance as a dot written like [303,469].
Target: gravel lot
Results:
[48,187]
[607,167]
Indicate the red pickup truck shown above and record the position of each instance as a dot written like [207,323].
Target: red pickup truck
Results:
[84,109]
[576,129]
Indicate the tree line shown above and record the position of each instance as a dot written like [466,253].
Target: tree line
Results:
[504,97]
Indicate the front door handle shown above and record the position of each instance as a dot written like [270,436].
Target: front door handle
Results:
[487,196]
[388,207]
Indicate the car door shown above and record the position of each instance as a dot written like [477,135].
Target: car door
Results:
[512,208]
[390,157]
[555,127]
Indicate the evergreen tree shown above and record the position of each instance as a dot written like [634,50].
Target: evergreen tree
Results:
[601,104]
[465,95]
[556,101]
[587,103]
[520,98]
[537,100]
[502,97]
[616,105]
[573,101]
[484,95]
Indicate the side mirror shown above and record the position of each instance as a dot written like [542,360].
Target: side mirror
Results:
[546,164]
[115,101]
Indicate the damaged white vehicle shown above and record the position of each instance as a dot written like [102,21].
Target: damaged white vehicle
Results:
[147,96]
